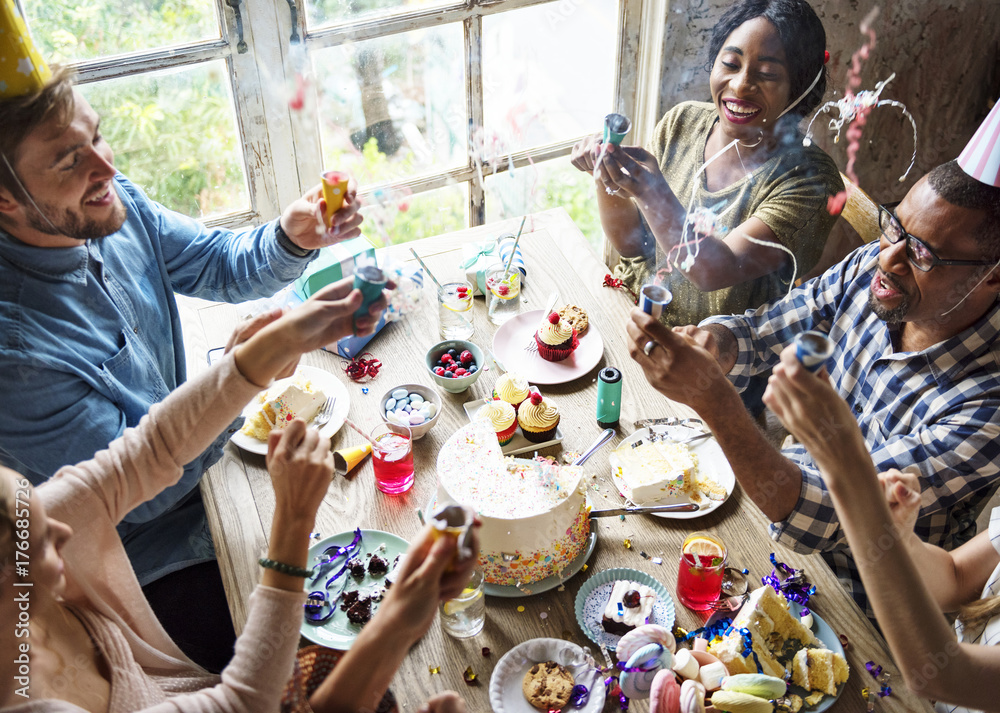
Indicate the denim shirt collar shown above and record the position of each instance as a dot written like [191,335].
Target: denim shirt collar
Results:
[65,264]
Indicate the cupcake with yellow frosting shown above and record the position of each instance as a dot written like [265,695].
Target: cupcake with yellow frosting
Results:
[556,338]
[501,416]
[512,388]
[538,418]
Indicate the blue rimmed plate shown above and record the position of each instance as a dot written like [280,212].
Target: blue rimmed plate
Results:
[593,598]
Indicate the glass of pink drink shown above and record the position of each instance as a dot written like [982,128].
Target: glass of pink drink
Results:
[392,458]
[702,566]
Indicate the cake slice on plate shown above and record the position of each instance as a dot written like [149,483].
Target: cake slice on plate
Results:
[630,605]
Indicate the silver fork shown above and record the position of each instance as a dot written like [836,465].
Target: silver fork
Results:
[325,413]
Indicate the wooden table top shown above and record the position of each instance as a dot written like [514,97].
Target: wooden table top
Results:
[240,501]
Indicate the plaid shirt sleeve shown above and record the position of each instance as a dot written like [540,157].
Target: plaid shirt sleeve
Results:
[761,334]
[957,458]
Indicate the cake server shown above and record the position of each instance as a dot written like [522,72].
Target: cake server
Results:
[648,510]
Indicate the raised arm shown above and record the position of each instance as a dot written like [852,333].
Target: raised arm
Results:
[923,644]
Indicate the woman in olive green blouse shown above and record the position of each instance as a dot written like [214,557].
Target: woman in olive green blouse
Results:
[741,157]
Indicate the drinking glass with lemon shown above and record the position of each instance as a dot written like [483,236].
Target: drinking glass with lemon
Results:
[702,566]
[465,615]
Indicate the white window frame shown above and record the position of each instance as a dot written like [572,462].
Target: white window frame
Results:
[282,155]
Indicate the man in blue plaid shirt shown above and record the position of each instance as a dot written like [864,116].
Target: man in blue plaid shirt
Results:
[914,321]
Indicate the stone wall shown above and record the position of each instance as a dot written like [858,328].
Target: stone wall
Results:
[946,56]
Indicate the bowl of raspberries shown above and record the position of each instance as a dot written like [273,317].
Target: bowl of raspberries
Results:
[455,364]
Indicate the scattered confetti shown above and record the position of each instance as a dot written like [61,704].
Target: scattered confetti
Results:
[520,608]
[315,535]
[434,669]
[364,389]
[745,571]
[470,677]
[486,651]
[585,568]
[679,632]
[543,615]
[579,696]
[657,560]
[628,543]
[844,642]
[622,518]
[643,555]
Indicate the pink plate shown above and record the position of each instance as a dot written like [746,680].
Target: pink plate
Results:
[513,336]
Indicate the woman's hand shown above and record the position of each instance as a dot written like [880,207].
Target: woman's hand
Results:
[300,463]
[816,415]
[902,493]
[429,574]
[304,223]
[444,702]
[632,172]
[585,153]
[324,318]
[250,326]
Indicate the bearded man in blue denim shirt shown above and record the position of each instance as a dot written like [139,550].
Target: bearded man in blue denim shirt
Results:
[90,334]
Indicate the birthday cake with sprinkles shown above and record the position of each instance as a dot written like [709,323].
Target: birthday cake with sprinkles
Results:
[534,512]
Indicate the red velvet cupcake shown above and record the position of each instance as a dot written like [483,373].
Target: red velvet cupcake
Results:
[556,338]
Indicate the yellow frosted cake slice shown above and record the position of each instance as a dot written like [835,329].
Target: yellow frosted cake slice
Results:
[280,405]
[654,470]
[819,670]
[770,623]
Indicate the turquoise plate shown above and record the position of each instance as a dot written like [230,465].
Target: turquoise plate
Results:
[338,632]
[593,598]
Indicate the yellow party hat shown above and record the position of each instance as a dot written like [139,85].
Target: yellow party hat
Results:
[22,69]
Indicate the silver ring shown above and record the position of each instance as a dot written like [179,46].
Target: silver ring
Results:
[607,189]
[649,347]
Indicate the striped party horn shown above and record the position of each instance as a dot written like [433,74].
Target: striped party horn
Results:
[505,243]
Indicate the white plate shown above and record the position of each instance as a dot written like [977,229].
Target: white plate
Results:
[506,695]
[322,380]
[711,462]
[513,336]
[518,444]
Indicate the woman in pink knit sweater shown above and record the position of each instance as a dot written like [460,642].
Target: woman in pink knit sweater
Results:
[77,633]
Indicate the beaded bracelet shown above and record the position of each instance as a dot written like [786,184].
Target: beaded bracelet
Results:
[284,568]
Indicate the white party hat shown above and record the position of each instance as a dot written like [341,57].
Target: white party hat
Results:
[22,69]
[981,157]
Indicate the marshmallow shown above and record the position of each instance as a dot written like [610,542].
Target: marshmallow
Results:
[692,697]
[685,665]
[636,680]
[711,675]
[664,694]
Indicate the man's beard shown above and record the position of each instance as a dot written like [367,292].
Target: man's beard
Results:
[44,219]
[889,316]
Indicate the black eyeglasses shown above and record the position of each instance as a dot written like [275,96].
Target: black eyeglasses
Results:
[920,254]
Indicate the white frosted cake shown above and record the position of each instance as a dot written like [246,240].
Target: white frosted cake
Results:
[656,470]
[534,514]
[281,404]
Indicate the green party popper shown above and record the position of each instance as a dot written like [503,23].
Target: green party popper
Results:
[615,128]
[371,280]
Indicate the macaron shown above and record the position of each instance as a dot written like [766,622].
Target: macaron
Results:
[685,664]
[711,675]
[636,680]
[692,697]
[665,693]
[634,640]
[755,684]
[733,702]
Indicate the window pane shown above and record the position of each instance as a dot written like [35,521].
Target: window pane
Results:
[174,135]
[538,187]
[320,13]
[394,107]
[548,71]
[87,29]
[398,217]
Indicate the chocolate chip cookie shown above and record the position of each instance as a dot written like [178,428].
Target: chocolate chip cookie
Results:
[577,318]
[547,686]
